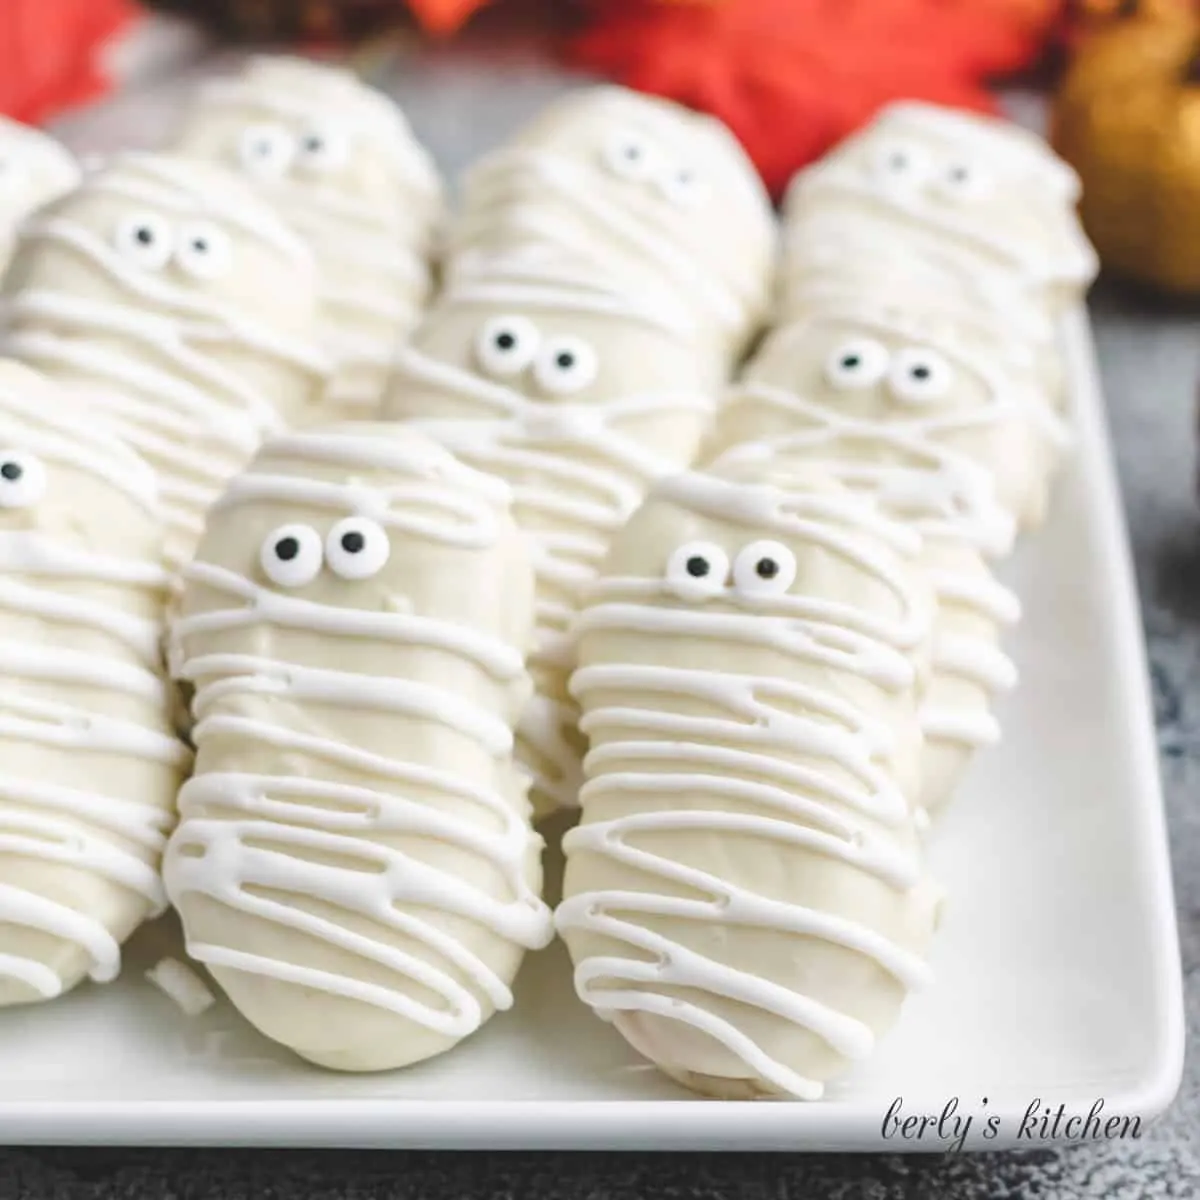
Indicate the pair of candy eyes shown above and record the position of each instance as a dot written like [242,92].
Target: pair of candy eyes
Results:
[355,548]
[632,157]
[271,150]
[911,165]
[22,479]
[913,373]
[508,346]
[150,242]
[699,569]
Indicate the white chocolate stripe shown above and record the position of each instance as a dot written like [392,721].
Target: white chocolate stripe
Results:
[49,433]
[573,186]
[19,907]
[501,661]
[29,971]
[974,660]
[193,315]
[219,676]
[821,638]
[173,184]
[26,553]
[139,634]
[163,337]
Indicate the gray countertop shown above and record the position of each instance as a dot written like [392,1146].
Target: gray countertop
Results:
[1150,360]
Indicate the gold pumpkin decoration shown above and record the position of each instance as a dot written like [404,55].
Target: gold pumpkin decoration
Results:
[1127,118]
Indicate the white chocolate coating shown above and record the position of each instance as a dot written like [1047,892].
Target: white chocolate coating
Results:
[355,862]
[638,192]
[182,306]
[970,193]
[579,445]
[949,501]
[338,160]
[90,766]
[34,169]
[744,897]
[927,374]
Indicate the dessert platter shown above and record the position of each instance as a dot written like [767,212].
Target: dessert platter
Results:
[596,664]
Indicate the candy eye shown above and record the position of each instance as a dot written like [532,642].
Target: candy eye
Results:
[900,164]
[964,181]
[357,548]
[507,345]
[858,363]
[630,156]
[291,555]
[323,150]
[204,251]
[266,150]
[22,479]
[566,365]
[684,188]
[920,376]
[146,240]
[764,569]
[697,570]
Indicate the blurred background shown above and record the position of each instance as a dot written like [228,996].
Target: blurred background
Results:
[790,77]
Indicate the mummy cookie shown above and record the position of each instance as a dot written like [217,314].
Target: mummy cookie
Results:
[744,897]
[974,194]
[579,401]
[34,169]
[938,379]
[182,306]
[355,862]
[949,501]
[637,192]
[89,767]
[338,160]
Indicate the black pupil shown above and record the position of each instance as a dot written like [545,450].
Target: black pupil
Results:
[287,548]
[959,174]
[314,143]
[767,568]
[633,152]
[697,566]
[566,360]
[851,361]
[353,543]
[898,162]
[506,341]
[12,471]
[145,235]
[921,373]
[200,245]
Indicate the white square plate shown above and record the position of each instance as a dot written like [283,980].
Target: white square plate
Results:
[1058,977]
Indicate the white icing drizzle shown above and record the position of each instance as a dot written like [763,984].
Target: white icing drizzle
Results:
[308,102]
[568,464]
[744,758]
[160,378]
[439,500]
[731,298]
[372,252]
[947,498]
[1013,395]
[1072,260]
[829,262]
[47,822]
[190,189]
[1017,151]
